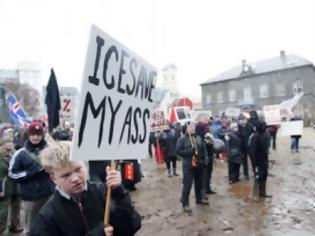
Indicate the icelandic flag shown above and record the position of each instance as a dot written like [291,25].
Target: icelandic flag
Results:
[16,113]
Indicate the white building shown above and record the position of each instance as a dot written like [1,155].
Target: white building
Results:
[25,72]
[169,90]
[30,72]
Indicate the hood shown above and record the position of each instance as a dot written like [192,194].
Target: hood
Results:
[261,126]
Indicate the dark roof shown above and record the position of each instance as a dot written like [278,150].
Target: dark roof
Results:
[261,67]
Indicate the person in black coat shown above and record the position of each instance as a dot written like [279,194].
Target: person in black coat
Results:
[235,154]
[169,150]
[210,151]
[246,129]
[26,169]
[202,129]
[151,142]
[77,206]
[259,150]
[193,151]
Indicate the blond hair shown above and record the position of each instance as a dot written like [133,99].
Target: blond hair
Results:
[55,156]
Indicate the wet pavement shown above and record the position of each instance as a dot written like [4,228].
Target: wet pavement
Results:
[291,211]
[232,211]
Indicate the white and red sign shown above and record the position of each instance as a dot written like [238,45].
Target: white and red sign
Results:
[232,112]
[272,114]
[158,121]
[67,107]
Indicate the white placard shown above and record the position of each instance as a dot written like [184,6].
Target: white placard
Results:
[67,107]
[158,122]
[292,128]
[272,114]
[116,102]
[232,112]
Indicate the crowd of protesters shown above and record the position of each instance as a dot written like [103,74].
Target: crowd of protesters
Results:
[33,170]
[242,142]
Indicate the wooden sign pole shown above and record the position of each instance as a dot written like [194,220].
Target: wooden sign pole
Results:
[108,198]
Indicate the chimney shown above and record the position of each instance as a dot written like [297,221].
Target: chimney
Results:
[282,55]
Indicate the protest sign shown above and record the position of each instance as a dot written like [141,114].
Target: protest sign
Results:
[232,112]
[67,107]
[272,114]
[158,122]
[116,102]
[292,128]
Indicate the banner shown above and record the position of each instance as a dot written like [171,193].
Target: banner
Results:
[232,112]
[272,114]
[292,128]
[116,102]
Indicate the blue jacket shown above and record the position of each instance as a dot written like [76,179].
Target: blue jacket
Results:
[26,169]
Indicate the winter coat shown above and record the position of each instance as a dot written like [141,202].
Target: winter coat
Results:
[234,146]
[246,132]
[65,135]
[259,149]
[25,168]
[62,216]
[201,131]
[184,149]
[272,129]
[8,187]
[170,144]
[97,170]
[222,132]
[210,151]
[215,126]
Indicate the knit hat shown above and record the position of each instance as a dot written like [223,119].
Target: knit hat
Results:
[36,128]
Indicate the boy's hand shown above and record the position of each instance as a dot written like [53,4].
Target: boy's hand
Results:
[113,178]
[109,231]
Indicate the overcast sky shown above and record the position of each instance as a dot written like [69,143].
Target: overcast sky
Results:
[201,37]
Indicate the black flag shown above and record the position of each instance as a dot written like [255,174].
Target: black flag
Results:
[52,101]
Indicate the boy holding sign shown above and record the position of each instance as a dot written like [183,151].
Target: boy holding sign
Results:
[77,206]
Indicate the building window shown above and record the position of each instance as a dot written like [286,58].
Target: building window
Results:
[297,87]
[264,93]
[232,95]
[281,91]
[247,92]
[220,97]
[208,99]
